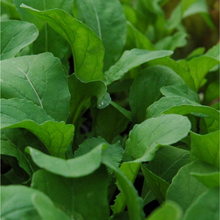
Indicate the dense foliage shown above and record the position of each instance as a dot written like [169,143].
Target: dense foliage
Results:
[109,110]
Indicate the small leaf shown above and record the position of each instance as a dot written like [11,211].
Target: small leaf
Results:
[76,167]
[146,87]
[105,17]
[205,207]
[87,48]
[15,35]
[145,138]
[131,59]
[205,148]
[185,188]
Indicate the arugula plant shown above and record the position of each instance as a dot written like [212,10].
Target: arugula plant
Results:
[109,110]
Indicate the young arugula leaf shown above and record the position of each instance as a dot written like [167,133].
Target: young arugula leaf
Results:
[146,87]
[168,160]
[185,188]
[169,210]
[15,35]
[76,167]
[206,206]
[71,194]
[87,48]
[182,106]
[129,60]
[106,19]
[48,38]
[146,138]
[205,148]
[210,180]
[180,90]
[157,185]
[42,80]
[42,204]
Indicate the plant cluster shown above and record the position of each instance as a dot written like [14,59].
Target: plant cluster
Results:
[109,110]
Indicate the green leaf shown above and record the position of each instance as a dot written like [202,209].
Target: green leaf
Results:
[205,148]
[146,87]
[42,204]
[85,197]
[172,42]
[125,112]
[56,136]
[176,67]
[105,17]
[15,35]
[111,126]
[182,106]
[205,207]
[13,207]
[81,94]
[131,59]
[48,38]
[76,167]
[9,149]
[114,151]
[133,201]
[185,188]
[169,210]
[210,180]
[157,185]
[146,138]
[38,78]
[168,160]
[180,90]
[87,48]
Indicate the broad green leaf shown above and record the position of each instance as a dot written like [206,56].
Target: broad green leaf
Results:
[37,78]
[48,40]
[168,160]
[42,204]
[185,188]
[109,122]
[87,48]
[133,201]
[14,111]
[211,180]
[8,10]
[212,92]
[177,68]
[135,39]
[81,94]
[182,106]
[146,87]
[125,112]
[85,197]
[180,90]
[114,151]
[105,17]
[15,35]
[146,138]
[157,185]
[206,148]
[76,167]
[16,203]
[169,210]
[197,52]
[172,42]
[131,59]
[9,149]
[206,207]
